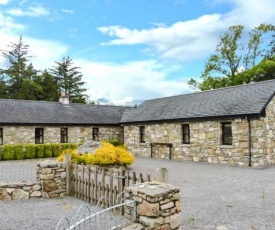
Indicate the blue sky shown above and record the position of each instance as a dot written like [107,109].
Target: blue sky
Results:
[128,50]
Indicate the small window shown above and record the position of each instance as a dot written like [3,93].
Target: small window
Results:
[1,136]
[142,134]
[64,135]
[185,134]
[39,135]
[226,133]
[95,134]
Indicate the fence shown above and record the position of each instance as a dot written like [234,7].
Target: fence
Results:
[89,183]
[108,217]
[15,175]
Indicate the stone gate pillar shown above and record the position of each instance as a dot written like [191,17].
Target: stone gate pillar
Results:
[158,205]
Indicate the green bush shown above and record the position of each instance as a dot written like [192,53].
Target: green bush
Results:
[73,145]
[115,143]
[9,152]
[56,150]
[30,151]
[18,151]
[39,151]
[65,146]
[1,152]
[48,150]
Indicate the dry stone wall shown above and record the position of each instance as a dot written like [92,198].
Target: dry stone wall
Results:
[205,140]
[51,183]
[158,205]
[76,134]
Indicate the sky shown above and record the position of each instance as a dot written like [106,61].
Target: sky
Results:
[127,50]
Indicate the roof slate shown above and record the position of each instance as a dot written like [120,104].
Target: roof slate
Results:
[37,112]
[249,99]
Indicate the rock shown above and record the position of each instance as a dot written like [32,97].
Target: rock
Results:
[36,194]
[19,194]
[63,175]
[36,187]
[89,147]
[49,185]
[4,195]
[221,228]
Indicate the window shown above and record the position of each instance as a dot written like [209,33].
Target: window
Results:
[142,134]
[95,134]
[64,135]
[1,136]
[185,134]
[226,133]
[39,135]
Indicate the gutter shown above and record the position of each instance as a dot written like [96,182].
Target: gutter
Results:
[249,142]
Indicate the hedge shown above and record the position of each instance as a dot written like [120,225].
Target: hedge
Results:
[8,152]
[30,151]
[39,151]
[19,152]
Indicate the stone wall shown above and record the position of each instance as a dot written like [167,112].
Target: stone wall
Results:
[158,205]
[205,140]
[76,134]
[51,183]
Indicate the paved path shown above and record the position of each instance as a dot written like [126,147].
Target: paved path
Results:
[213,196]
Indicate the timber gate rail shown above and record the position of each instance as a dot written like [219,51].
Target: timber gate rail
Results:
[90,183]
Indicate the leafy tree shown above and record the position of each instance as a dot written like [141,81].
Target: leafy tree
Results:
[69,79]
[49,87]
[20,72]
[263,71]
[232,56]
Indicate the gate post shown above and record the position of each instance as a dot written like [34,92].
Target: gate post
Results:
[68,164]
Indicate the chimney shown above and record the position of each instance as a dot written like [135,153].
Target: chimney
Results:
[64,99]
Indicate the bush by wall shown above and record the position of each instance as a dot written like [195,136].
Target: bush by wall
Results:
[56,150]
[48,150]
[107,155]
[39,151]
[1,152]
[30,151]
[19,152]
[8,152]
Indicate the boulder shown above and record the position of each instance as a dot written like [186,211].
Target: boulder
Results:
[89,147]
[19,194]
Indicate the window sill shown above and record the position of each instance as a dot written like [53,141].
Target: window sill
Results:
[226,146]
[184,145]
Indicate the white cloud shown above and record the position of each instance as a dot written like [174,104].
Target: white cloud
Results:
[32,11]
[193,39]
[126,82]
[68,11]
[4,2]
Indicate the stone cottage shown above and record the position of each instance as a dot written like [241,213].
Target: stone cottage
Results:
[39,122]
[234,125]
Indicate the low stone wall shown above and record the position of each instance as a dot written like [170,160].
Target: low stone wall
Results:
[158,205]
[51,183]
[20,191]
[52,176]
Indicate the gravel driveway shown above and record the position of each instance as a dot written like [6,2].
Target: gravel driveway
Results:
[213,197]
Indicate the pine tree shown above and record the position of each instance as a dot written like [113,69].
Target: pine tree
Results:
[20,72]
[69,79]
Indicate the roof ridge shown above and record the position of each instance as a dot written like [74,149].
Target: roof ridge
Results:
[211,90]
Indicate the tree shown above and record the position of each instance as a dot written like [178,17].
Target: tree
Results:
[69,80]
[232,56]
[49,88]
[20,72]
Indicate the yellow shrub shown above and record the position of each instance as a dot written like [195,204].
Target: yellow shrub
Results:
[110,155]
[75,156]
[107,155]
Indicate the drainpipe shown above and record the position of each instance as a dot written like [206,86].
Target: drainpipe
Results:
[249,142]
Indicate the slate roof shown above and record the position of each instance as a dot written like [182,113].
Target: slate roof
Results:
[37,112]
[250,99]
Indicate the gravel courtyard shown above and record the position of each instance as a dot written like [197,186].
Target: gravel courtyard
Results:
[213,197]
